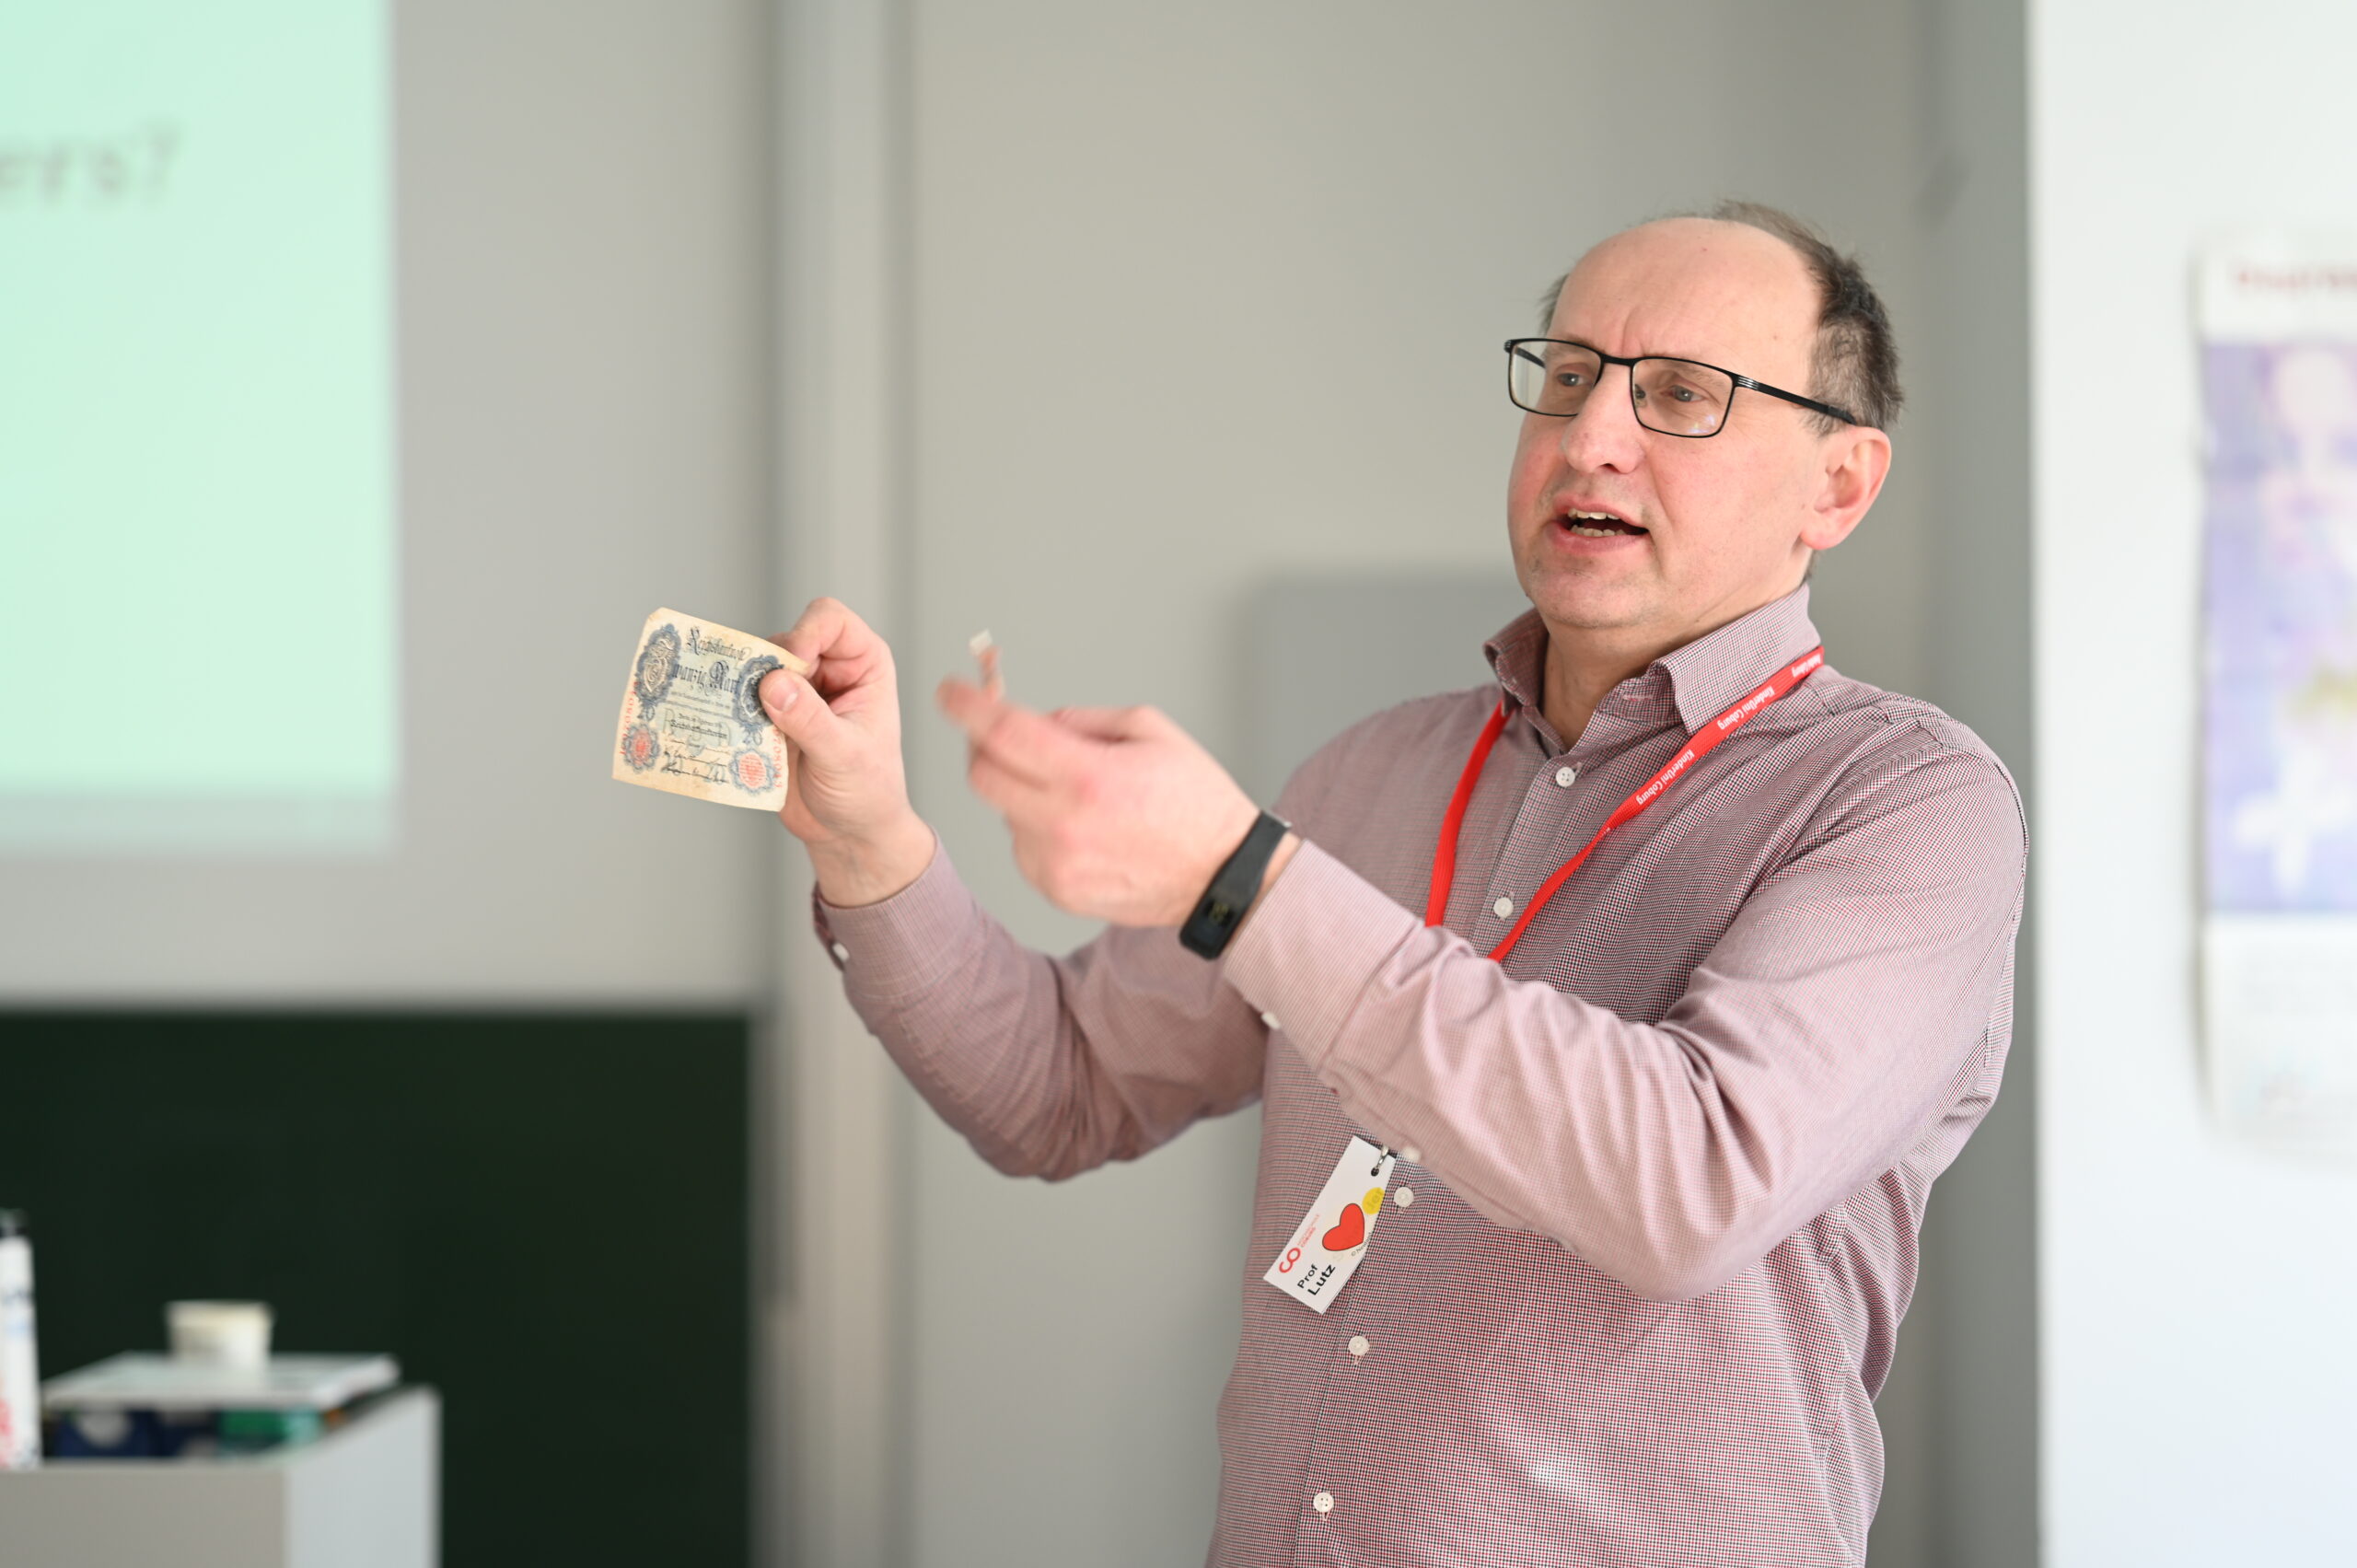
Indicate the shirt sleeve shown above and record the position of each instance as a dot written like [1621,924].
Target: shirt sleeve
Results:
[1842,1012]
[1048,1066]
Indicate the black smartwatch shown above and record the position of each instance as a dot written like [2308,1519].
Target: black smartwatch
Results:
[1234,887]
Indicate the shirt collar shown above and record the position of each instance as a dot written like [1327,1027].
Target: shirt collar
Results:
[1704,679]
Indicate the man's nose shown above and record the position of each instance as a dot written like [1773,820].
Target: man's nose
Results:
[1605,432]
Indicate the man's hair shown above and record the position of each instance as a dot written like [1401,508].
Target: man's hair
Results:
[1855,365]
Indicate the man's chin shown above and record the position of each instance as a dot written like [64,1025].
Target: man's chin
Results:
[1585,602]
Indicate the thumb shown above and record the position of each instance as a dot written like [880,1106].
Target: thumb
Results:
[800,713]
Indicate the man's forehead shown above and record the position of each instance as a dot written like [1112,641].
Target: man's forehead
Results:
[1698,287]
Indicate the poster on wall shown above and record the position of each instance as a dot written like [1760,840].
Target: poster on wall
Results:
[2278,320]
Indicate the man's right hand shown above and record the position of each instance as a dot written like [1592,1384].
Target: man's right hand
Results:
[847,794]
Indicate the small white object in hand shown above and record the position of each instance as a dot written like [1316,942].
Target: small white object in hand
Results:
[985,651]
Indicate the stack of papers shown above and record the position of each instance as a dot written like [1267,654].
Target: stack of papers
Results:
[139,1380]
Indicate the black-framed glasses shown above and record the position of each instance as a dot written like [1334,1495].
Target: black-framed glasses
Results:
[1675,397]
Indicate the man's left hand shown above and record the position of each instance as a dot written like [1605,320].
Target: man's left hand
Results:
[1117,814]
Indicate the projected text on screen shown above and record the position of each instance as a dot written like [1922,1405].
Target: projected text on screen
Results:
[198,567]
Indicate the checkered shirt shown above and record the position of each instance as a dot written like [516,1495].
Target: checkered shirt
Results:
[1667,1162]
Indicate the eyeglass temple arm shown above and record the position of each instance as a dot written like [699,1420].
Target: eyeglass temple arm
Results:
[1810,403]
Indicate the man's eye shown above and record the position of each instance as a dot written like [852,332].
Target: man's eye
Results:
[1685,395]
[1570,378]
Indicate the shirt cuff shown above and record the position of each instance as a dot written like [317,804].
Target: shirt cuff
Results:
[900,947]
[1311,948]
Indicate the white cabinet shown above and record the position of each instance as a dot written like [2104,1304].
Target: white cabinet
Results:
[367,1495]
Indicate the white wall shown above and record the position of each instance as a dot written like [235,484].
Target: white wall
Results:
[582,220]
[1144,238]
[2200,1376]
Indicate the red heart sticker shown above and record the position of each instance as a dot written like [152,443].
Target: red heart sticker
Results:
[1349,1232]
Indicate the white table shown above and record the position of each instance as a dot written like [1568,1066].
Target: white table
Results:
[365,1495]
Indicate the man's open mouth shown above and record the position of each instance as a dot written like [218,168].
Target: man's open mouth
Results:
[1597,525]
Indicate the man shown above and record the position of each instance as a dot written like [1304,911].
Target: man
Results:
[1663,1126]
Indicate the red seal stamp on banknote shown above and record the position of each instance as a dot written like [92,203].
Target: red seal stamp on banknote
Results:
[751,771]
[639,749]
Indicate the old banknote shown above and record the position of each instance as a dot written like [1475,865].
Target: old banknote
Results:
[692,718]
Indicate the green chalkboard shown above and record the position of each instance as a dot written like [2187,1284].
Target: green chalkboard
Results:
[545,1217]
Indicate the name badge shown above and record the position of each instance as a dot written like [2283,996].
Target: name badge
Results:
[1326,1248]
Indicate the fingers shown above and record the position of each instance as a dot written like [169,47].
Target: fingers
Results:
[968,706]
[843,650]
[1109,723]
[800,713]
[791,659]
[1018,799]
[1027,743]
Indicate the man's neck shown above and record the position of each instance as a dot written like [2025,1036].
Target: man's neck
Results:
[1583,664]
[1583,668]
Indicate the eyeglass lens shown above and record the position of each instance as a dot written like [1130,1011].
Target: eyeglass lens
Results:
[1675,397]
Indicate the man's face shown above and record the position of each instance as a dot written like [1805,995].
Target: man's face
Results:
[1722,519]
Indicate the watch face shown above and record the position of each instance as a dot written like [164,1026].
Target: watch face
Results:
[1201,937]
[1234,887]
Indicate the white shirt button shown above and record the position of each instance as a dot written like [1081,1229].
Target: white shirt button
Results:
[1564,775]
[842,954]
[1271,1020]
[1405,1197]
[1412,1154]
[1323,1503]
[1359,1346]
[1503,908]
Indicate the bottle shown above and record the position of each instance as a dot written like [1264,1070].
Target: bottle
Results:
[20,1366]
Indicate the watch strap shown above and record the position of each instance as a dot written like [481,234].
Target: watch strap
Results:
[1234,887]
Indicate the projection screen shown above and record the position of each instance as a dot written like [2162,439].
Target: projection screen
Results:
[367,372]
[197,426]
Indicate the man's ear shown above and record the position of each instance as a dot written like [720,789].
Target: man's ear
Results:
[1855,459]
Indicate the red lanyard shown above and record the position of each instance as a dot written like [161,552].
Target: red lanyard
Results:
[1697,744]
